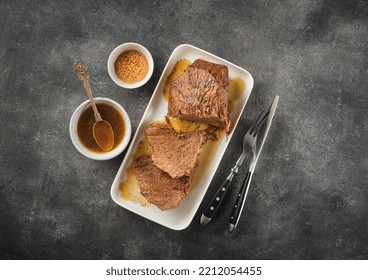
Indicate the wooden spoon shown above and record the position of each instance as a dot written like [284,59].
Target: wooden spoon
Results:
[102,130]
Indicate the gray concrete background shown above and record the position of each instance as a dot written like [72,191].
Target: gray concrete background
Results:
[308,198]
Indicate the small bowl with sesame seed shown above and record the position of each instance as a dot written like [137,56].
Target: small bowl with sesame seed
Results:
[130,65]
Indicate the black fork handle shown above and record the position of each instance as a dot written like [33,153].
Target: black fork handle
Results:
[215,202]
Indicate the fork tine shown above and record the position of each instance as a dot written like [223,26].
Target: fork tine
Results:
[254,124]
[256,130]
[260,119]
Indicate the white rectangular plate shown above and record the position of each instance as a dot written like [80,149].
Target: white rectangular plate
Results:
[180,217]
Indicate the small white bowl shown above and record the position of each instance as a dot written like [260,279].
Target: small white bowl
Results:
[88,153]
[115,54]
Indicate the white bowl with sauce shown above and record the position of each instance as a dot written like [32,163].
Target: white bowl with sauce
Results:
[114,56]
[89,152]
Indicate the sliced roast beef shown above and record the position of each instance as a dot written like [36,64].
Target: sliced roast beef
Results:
[157,186]
[177,154]
[201,94]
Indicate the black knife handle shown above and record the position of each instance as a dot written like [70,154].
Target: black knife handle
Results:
[215,202]
[239,203]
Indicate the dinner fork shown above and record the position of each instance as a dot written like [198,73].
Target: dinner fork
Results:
[249,141]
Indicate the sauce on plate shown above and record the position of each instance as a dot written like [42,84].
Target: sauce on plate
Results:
[130,188]
[236,89]
[178,69]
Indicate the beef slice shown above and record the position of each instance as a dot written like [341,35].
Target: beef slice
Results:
[201,94]
[176,153]
[158,187]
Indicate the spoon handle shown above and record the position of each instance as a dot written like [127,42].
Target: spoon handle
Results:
[81,69]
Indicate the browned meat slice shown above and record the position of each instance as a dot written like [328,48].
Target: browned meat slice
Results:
[176,154]
[157,186]
[201,94]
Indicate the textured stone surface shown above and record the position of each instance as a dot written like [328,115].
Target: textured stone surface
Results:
[308,198]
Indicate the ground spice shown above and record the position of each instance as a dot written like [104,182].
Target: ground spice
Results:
[131,66]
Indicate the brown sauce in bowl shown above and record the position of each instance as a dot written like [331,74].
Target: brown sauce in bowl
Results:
[87,119]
